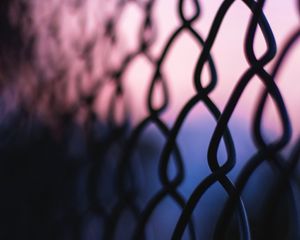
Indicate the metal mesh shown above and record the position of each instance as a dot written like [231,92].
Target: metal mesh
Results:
[100,191]
[266,152]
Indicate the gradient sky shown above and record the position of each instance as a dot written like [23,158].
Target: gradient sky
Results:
[228,54]
[80,25]
[230,61]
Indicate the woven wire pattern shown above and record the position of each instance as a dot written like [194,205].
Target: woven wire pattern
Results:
[107,200]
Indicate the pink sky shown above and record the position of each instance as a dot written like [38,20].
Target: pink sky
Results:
[79,27]
[228,55]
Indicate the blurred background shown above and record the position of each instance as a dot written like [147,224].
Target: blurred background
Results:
[80,151]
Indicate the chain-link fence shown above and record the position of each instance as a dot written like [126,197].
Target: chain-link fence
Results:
[76,164]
